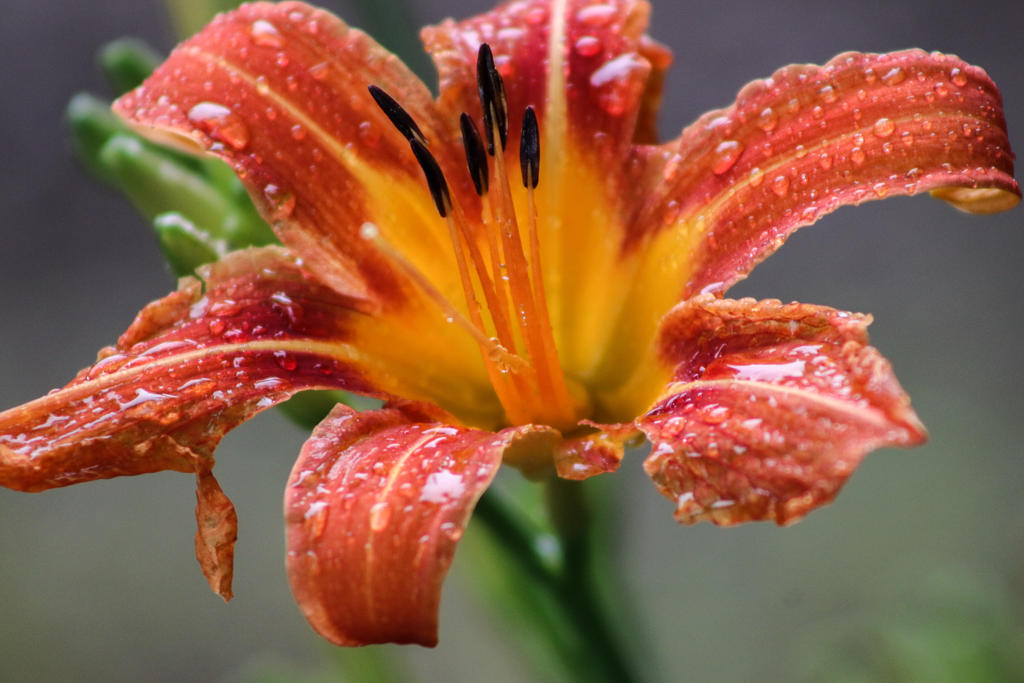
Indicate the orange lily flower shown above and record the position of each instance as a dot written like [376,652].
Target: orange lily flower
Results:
[557,301]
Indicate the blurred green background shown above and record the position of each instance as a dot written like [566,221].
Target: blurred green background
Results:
[916,573]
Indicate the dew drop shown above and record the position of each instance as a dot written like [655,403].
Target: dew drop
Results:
[588,46]
[958,77]
[725,156]
[756,177]
[857,156]
[767,120]
[883,127]
[714,414]
[220,123]
[266,34]
[320,70]
[828,94]
[286,362]
[596,15]
[780,186]
[894,76]
[880,190]
[800,151]
[282,203]
[369,134]
[825,161]
[380,515]
[298,132]
[217,327]
[537,15]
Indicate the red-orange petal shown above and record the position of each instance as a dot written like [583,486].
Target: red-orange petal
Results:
[585,68]
[772,407]
[279,91]
[581,457]
[216,530]
[810,139]
[192,366]
[374,508]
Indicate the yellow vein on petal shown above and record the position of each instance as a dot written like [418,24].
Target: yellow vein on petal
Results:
[865,413]
[408,194]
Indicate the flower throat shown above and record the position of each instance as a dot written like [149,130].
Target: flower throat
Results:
[511,327]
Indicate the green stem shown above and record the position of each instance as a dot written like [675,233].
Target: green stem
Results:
[586,641]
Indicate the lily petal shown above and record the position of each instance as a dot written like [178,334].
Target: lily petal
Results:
[795,146]
[772,407]
[810,139]
[192,366]
[279,91]
[581,457]
[374,507]
[594,80]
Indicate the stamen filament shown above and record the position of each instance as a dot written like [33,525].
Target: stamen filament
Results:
[533,323]
[496,356]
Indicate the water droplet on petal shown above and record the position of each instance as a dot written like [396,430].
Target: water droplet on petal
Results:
[767,120]
[714,414]
[298,132]
[958,77]
[320,70]
[220,123]
[894,76]
[725,156]
[596,15]
[828,94]
[266,34]
[780,186]
[282,203]
[756,177]
[286,362]
[880,190]
[825,161]
[883,127]
[857,156]
[369,133]
[537,15]
[588,46]
[380,515]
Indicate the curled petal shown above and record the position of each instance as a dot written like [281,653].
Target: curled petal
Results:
[216,531]
[810,139]
[772,407]
[581,457]
[793,147]
[374,508]
[191,367]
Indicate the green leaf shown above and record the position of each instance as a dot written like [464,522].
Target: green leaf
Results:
[126,62]
[156,183]
[185,246]
[92,124]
